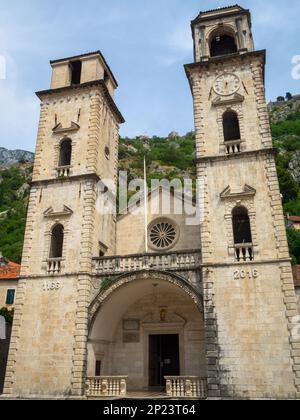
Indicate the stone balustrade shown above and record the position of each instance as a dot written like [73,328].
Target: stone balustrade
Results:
[54,265]
[175,261]
[63,171]
[106,386]
[244,252]
[186,387]
[233,147]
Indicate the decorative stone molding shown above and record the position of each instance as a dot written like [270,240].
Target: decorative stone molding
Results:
[198,113]
[226,101]
[118,283]
[245,200]
[56,154]
[66,212]
[169,261]
[40,142]
[247,192]
[163,234]
[211,335]
[238,109]
[47,240]
[257,69]
[276,207]
[204,204]
[59,129]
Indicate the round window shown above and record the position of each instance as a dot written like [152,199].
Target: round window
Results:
[163,234]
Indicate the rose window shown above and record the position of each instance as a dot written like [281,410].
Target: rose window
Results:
[163,235]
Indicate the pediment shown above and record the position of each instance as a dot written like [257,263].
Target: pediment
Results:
[49,213]
[59,129]
[228,100]
[228,193]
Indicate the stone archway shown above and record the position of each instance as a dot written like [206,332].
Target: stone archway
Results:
[135,308]
[129,278]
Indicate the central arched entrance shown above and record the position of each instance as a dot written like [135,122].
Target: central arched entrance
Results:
[146,327]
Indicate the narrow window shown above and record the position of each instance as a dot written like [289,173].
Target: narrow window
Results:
[106,77]
[10,297]
[98,368]
[231,126]
[222,45]
[241,226]
[76,67]
[57,242]
[65,154]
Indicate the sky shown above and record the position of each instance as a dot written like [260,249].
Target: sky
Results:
[146,43]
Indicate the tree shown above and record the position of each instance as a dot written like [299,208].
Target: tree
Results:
[280,99]
[8,315]
[294,244]
[288,96]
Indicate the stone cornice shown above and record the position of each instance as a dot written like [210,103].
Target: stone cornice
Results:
[236,156]
[73,89]
[247,263]
[92,176]
[224,59]
[225,12]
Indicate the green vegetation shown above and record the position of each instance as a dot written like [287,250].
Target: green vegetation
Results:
[14,192]
[8,315]
[286,135]
[170,155]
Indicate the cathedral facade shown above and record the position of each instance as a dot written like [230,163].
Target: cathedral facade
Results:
[107,308]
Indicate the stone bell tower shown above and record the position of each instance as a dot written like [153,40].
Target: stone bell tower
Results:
[77,151]
[249,296]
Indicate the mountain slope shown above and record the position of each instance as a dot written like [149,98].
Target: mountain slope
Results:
[10,157]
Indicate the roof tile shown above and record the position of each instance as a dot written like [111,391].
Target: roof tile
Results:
[9,270]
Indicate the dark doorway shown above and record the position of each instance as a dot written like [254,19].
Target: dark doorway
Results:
[163,359]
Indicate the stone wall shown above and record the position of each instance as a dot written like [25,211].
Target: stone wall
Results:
[253,338]
[298,297]
[41,352]
[131,228]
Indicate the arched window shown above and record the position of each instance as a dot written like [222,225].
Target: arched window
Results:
[241,226]
[57,241]
[65,154]
[222,45]
[231,126]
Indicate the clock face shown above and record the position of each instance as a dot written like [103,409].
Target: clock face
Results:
[227,84]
